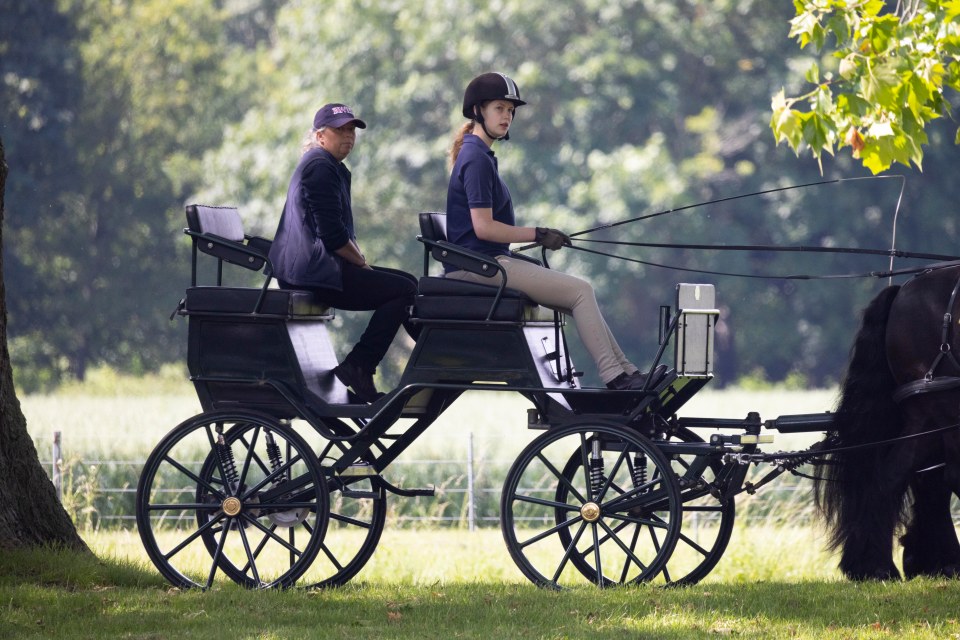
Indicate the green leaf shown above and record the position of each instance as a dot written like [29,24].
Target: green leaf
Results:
[817,133]
[951,10]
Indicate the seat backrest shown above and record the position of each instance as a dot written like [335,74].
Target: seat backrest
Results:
[433,226]
[218,231]
[224,222]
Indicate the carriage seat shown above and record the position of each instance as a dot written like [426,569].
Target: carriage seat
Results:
[218,232]
[285,303]
[448,299]
[440,298]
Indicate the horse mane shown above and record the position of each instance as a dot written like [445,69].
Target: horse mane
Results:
[865,413]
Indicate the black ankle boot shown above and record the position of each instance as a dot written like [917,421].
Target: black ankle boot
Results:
[359,380]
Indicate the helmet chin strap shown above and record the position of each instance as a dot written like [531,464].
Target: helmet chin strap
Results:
[478,116]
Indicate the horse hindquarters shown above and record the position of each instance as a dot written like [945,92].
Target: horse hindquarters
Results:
[858,495]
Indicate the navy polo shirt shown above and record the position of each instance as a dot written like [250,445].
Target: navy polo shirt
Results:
[475,184]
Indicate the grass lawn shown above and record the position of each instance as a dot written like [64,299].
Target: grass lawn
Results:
[773,583]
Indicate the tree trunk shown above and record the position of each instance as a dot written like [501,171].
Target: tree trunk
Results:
[30,514]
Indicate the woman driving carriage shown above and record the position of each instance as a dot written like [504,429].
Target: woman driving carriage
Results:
[316,248]
[480,216]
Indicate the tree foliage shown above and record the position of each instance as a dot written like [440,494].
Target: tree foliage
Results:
[879,81]
[108,119]
[125,111]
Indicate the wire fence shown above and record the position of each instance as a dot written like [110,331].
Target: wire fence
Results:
[101,493]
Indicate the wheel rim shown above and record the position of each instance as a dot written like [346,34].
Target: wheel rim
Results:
[562,529]
[259,520]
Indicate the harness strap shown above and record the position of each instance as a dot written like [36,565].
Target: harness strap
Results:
[945,330]
[925,385]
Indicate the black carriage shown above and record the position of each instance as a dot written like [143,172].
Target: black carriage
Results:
[283,479]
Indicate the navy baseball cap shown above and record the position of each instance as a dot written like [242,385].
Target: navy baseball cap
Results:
[336,115]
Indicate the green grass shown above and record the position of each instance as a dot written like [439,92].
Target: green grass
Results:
[774,583]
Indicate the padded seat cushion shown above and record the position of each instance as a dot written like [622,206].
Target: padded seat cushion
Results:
[431,286]
[287,303]
[451,299]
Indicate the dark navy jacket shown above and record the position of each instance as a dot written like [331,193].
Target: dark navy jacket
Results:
[317,220]
[475,183]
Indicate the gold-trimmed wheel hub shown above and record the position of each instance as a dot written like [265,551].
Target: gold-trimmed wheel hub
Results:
[590,512]
[231,506]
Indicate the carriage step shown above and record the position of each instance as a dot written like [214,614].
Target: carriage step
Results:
[407,493]
[372,495]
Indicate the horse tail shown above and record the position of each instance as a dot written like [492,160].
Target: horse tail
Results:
[846,483]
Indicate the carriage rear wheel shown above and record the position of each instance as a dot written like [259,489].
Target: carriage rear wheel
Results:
[592,503]
[233,492]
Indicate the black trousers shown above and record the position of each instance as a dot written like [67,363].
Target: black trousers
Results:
[386,292]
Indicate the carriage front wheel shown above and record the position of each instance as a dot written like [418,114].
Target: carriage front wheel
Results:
[615,520]
[233,493]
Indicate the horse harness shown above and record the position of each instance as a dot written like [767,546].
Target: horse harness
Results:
[930,382]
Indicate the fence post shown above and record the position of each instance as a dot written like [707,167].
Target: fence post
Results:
[471,513]
[57,465]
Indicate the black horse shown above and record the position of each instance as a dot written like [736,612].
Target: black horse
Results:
[868,493]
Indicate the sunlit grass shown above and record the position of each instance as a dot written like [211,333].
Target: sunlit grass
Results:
[757,553]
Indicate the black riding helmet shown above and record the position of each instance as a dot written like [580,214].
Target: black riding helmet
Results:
[486,87]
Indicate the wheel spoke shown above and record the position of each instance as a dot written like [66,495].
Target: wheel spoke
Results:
[568,551]
[553,504]
[613,474]
[559,476]
[628,552]
[250,454]
[633,545]
[251,560]
[216,556]
[549,532]
[193,477]
[270,477]
[348,520]
[193,536]
[270,531]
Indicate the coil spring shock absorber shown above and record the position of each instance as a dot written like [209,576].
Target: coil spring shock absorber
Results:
[273,454]
[596,469]
[639,471]
[231,479]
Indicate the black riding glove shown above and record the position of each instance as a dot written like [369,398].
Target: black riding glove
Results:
[551,238]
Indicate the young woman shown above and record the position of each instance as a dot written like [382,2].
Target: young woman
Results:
[316,248]
[480,217]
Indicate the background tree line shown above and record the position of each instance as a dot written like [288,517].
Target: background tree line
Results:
[117,113]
